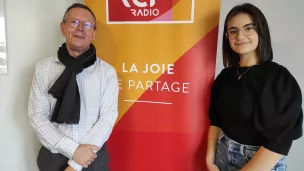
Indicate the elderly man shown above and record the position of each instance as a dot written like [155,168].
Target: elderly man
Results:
[73,99]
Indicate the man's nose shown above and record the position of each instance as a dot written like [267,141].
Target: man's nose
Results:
[80,27]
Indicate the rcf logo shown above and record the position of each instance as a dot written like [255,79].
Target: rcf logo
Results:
[142,11]
[139,4]
[149,11]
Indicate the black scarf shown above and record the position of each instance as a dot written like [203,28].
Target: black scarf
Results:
[65,89]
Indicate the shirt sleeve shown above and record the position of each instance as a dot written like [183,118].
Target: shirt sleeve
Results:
[213,112]
[39,116]
[279,114]
[101,131]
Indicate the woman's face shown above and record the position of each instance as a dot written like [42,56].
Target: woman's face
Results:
[242,34]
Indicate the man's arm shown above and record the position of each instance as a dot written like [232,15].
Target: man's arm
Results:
[39,110]
[101,131]
[49,135]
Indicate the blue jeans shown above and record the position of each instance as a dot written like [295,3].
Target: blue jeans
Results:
[232,156]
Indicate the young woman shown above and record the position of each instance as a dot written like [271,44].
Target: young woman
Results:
[255,108]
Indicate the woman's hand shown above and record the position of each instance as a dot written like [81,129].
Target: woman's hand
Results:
[212,167]
[213,134]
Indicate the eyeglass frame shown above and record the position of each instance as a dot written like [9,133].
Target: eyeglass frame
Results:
[81,22]
[242,30]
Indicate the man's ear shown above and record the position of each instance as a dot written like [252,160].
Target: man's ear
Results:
[62,28]
[94,35]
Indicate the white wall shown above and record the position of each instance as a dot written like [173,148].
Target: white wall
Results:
[285,19]
[32,34]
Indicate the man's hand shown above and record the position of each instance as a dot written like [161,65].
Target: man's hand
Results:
[84,154]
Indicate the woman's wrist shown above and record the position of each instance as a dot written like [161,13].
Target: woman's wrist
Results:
[210,157]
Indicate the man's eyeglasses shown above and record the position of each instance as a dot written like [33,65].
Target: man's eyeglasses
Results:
[247,30]
[74,23]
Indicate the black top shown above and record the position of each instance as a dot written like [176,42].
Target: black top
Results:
[263,108]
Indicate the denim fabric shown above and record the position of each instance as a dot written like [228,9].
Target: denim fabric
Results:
[232,156]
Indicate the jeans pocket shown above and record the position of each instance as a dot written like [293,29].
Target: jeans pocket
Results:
[250,151]
[221,155]
[220,137]
[280,166]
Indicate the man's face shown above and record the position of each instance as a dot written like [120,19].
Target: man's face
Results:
[78,29]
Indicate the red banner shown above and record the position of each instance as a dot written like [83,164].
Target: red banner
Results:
[164,52]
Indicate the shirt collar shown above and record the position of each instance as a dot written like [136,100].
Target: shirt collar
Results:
[57,59]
